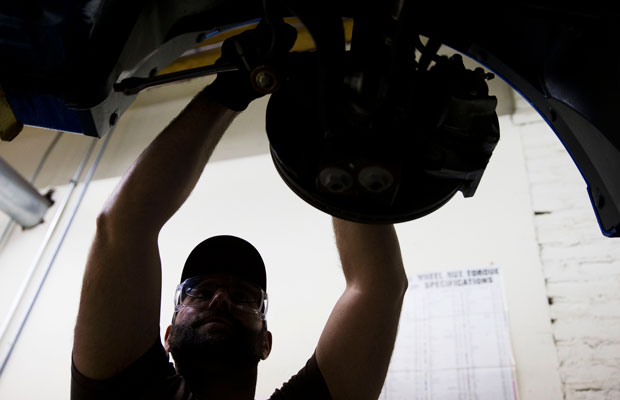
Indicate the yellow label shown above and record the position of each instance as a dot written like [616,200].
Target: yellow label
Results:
[10,127]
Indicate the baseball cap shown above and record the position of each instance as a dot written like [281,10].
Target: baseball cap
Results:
[226,254]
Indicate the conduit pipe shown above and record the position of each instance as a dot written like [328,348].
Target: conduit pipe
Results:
[46,239]
[47,268]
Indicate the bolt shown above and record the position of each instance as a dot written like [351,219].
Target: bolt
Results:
[202,37]
[375,179]
[600,201]
[355,82]
[113,118]
[264,79]
[336,180]
[49,196]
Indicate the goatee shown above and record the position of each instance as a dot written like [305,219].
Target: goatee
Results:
[198,350]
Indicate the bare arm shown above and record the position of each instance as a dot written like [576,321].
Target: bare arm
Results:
[118,317]
[356,345]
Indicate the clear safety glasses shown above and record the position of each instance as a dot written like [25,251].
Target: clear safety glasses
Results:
[199,291]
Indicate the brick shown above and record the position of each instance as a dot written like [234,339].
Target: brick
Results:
[535,153]
[525,116]
[590,375]
[592,290]
[539,153]
[591,352]
[545,147]
[555,231]
[586,328]
[592,394]
[572,308]
[550,147]
[562,197]
[581,271]
[595,252]
[561,227]
[536,136]
[548,170]
[587,376]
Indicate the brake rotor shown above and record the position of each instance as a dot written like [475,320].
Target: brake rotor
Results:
[405,162]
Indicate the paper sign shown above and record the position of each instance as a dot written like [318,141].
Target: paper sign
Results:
[453,341]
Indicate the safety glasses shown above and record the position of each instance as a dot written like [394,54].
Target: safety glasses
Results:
[199,291]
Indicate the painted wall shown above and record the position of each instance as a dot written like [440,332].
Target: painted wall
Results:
[581,266]
[240,193]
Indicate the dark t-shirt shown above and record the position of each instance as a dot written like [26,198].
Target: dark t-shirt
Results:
[153,377]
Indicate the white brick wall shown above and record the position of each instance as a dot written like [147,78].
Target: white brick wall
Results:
[581,266]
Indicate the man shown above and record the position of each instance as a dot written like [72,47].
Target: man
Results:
[219,332]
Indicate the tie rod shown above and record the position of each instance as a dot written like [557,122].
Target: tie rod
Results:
[133,85]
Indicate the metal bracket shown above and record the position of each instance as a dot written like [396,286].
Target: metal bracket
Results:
[10,127]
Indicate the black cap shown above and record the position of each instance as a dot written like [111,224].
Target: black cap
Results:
[226,254]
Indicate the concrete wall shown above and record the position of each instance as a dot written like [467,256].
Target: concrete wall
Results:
[240,193]
[581,267]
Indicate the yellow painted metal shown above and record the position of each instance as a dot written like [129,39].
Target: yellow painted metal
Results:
[10,127]
[208,51]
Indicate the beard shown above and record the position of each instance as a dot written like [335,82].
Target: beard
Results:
[198,349]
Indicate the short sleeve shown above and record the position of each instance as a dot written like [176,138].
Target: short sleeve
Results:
[152,376]
[307,384]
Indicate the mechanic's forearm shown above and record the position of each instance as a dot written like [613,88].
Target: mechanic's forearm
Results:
[163,176]
[370,256]
[356,345]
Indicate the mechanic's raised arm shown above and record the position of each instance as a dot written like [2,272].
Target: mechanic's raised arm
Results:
[356,345]
[118,318]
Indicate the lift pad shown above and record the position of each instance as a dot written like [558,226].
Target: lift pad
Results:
[10,127]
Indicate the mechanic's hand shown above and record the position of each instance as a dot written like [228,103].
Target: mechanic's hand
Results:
[248,50]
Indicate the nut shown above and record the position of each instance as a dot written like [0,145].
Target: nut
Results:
[264,80]
[375,179]
[335,180]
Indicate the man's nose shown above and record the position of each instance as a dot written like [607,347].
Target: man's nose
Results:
[220,299]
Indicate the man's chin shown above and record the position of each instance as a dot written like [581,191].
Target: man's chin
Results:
[212,345]
[215,326]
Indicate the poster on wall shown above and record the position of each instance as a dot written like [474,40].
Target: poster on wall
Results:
[453,340]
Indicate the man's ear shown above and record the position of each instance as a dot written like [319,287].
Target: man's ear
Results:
[166,345]
[266,345]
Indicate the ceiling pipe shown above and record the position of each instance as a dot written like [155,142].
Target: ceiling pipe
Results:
[19,199]
[11,342]
[45,243]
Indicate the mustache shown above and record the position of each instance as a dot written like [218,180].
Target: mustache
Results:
[205,316]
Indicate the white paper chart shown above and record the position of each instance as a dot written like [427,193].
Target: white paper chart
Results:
[453,341]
